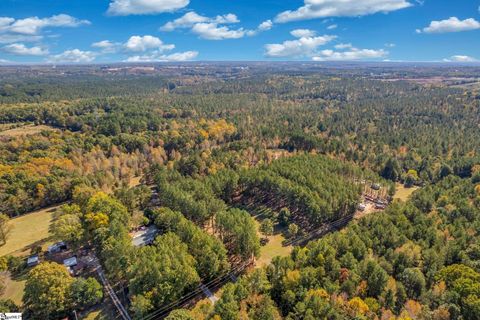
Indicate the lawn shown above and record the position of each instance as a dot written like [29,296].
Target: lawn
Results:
[13,289]
[28,231]
[273,248]
[99,312]
[403,193]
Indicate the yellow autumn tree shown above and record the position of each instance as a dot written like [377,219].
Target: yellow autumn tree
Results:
[358,307]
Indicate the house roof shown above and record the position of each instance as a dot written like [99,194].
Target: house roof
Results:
[145,237]
[70,262]
[33,259]
[55,246]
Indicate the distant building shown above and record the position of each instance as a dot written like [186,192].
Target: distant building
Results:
[376,186]
[33,261]
[144,237]
[57,247]
[70,264]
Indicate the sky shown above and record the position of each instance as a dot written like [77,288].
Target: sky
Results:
[107,31]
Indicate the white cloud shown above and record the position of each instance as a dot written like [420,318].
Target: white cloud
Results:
[340,8]
[186,21]
[299,33]
[106,46]
[352,54]
[11,38]
[3,61]
[332,27]
[212,31]
[144,43]
[128,7]
[460,58]
[342,46]
[157,57]
[30,29]
[306,45]
[265,25]
[390,45]
[146,48]
[33,25]
[6,21]
[73,56]
[134,44]
[452,24]
[22,50]
[213,28]
[182,56]
[191,18]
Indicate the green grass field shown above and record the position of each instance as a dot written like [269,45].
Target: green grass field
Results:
[28,231]
[273,248]
[403,193]
[13,289]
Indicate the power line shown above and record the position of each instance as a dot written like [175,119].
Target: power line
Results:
[186,298]
[213,283]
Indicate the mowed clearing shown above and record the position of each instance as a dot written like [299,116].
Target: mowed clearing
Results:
[25,130]
[13,289]
[403,193]
[28,231]
[273,248]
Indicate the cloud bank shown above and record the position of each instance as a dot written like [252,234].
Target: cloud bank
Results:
[313,9]
[138,7]
[452,24]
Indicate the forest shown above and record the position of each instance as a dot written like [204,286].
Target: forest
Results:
[216,161]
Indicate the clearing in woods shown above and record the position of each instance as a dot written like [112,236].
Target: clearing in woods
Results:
[28,231]
[25,130]
[13,288]
[273,248]
[403,193]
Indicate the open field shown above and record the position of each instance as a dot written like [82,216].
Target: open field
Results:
[8,126]
[25,130]
[13,289]
[403,193]
[273,248]
[28,231]
[99,312]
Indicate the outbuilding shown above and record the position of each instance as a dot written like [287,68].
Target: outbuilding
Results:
[57,247]
[32,261]
[70,264]
[145,237]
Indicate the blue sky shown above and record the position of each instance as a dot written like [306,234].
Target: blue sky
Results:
[101,31]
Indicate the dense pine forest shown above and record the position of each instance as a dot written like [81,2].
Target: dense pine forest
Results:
[210,162]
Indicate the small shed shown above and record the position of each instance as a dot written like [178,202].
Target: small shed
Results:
[57,247]
[376,186]
[32,261]
[145,237]
[70,262]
